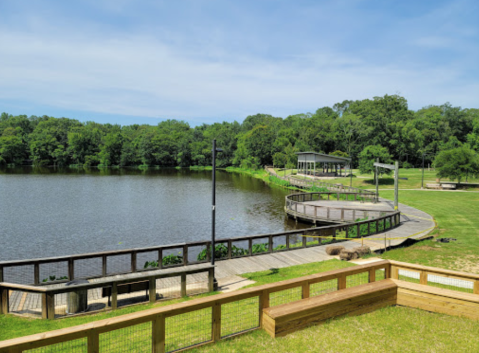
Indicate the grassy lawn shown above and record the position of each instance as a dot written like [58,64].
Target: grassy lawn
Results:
[392,329]
[366,181]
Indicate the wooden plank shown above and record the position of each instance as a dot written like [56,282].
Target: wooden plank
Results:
[71,269]
[4,300]
[50,304]
[36,274]
[93,342]
[216,322]
[133,261]
[183,285]
[114,296]
[435,270]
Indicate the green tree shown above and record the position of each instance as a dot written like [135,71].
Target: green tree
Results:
[12,149]
[457,163]
[370,154]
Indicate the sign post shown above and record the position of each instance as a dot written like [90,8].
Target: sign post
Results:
[394,167]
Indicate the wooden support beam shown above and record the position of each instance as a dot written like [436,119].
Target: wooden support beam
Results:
[133,261]
[423,277]
[36,273]
[93,342]
[103,266]
[372,275]
[152,289]
[4,300]
[44,306]
[216,319]
[305,290]
[183,284]
[71,269]
[211,279]
[114,296]
[158,334]
[185,254]
[50,299]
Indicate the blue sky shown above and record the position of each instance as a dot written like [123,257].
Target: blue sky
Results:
[202,61]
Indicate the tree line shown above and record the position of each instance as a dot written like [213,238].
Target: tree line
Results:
[381,127]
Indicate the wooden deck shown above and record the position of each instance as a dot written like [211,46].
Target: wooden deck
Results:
[414,223]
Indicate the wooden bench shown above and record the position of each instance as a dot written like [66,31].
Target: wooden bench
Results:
[437,300]
[433,186]
[126,289]
[449,186]
[284,319]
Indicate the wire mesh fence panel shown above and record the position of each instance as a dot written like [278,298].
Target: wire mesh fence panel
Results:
[221,251]
[310,241]
[408,276]
[197,283]
[133,293]
[197,253]
[188,329]
[136,338]
[19,274]
[172,257]
[54,271]
[74,346]
[357,279]
[380,225]
[118,264]
[285,296]
[456,284]
[147,260]
[88,268]
[61,304]
[380,274]
[260,245]
[168,288]
[279,243]
[24,303]
[239,316]
[352,232]
[295,241]
[323,287]
[239,248]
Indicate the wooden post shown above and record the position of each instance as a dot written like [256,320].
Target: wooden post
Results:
[93,342]
[372,275]
[36,273]
[476,287]
[342,214]
[44,306]
[114,296]
[342,282]
[133,261]
[71,269]
[183,285]
[1,273]
[216,320]
[304,240]
[230,249]
[287,241]
[305,290]
[103,266]
[211,278]
[327,212]
[315,212]
[392,272]
[265,300]
[423,277]
[152,289]
[250,247]
[270,244]
[158,334]
[50,299]
[185,255]
[347,231]
[4,304]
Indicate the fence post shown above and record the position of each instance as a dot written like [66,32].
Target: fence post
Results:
[476,287]
[342,282]
[423,277]
[4,300]
[305,290]
[372,275]
[1,273]
[103,266]
[270,244]
[93,342]
[50,301]
[44,306]
[287,241]
[185,255]
[114,296]
[36,273]
[392,272]
[183,285]
[342,214]
[71,269]
[133,261]
[250,247]
[216,320]
[211,278]
[152,290]
[158,334]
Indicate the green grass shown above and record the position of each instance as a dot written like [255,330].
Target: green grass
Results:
[392,329]
[366,181]
[457,217]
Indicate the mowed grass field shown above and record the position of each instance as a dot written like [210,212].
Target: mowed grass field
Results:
[457,216]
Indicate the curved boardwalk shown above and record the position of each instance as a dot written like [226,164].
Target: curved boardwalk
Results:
[415,224]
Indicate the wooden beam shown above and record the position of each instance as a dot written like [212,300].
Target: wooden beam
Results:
[158,334]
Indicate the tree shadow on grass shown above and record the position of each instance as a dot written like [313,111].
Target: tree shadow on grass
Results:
[388,181]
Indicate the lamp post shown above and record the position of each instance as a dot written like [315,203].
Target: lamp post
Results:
[213,212]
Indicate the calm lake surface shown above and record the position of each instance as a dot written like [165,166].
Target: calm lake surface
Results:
[49,212]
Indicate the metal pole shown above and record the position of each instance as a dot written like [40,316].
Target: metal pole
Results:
[377,182]
[396,185]
[422,179]
[213,216]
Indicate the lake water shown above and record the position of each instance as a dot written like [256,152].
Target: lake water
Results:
[46,212]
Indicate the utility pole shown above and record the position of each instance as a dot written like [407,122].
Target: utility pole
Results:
[213,213]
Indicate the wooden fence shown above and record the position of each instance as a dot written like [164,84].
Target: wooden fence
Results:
[205,320]
[196,322]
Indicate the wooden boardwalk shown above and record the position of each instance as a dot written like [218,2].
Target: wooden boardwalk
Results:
[414,224]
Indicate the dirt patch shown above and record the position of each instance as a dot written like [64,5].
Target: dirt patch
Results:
[469,263]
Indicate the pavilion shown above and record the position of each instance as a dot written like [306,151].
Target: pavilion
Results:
[322,165]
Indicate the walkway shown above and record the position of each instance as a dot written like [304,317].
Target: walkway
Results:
[414,224]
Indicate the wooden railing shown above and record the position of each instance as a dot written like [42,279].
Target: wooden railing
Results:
[362,194]
[196,322]
[295,206]
[46,307]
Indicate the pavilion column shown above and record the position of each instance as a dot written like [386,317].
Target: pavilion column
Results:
[314,169]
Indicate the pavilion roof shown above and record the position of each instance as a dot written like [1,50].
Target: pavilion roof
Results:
[320,157]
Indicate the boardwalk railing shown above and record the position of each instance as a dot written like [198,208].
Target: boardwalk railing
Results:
[211,319]
[55,270]
[362,195]
[295,206]
[196,322]
[55,301]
